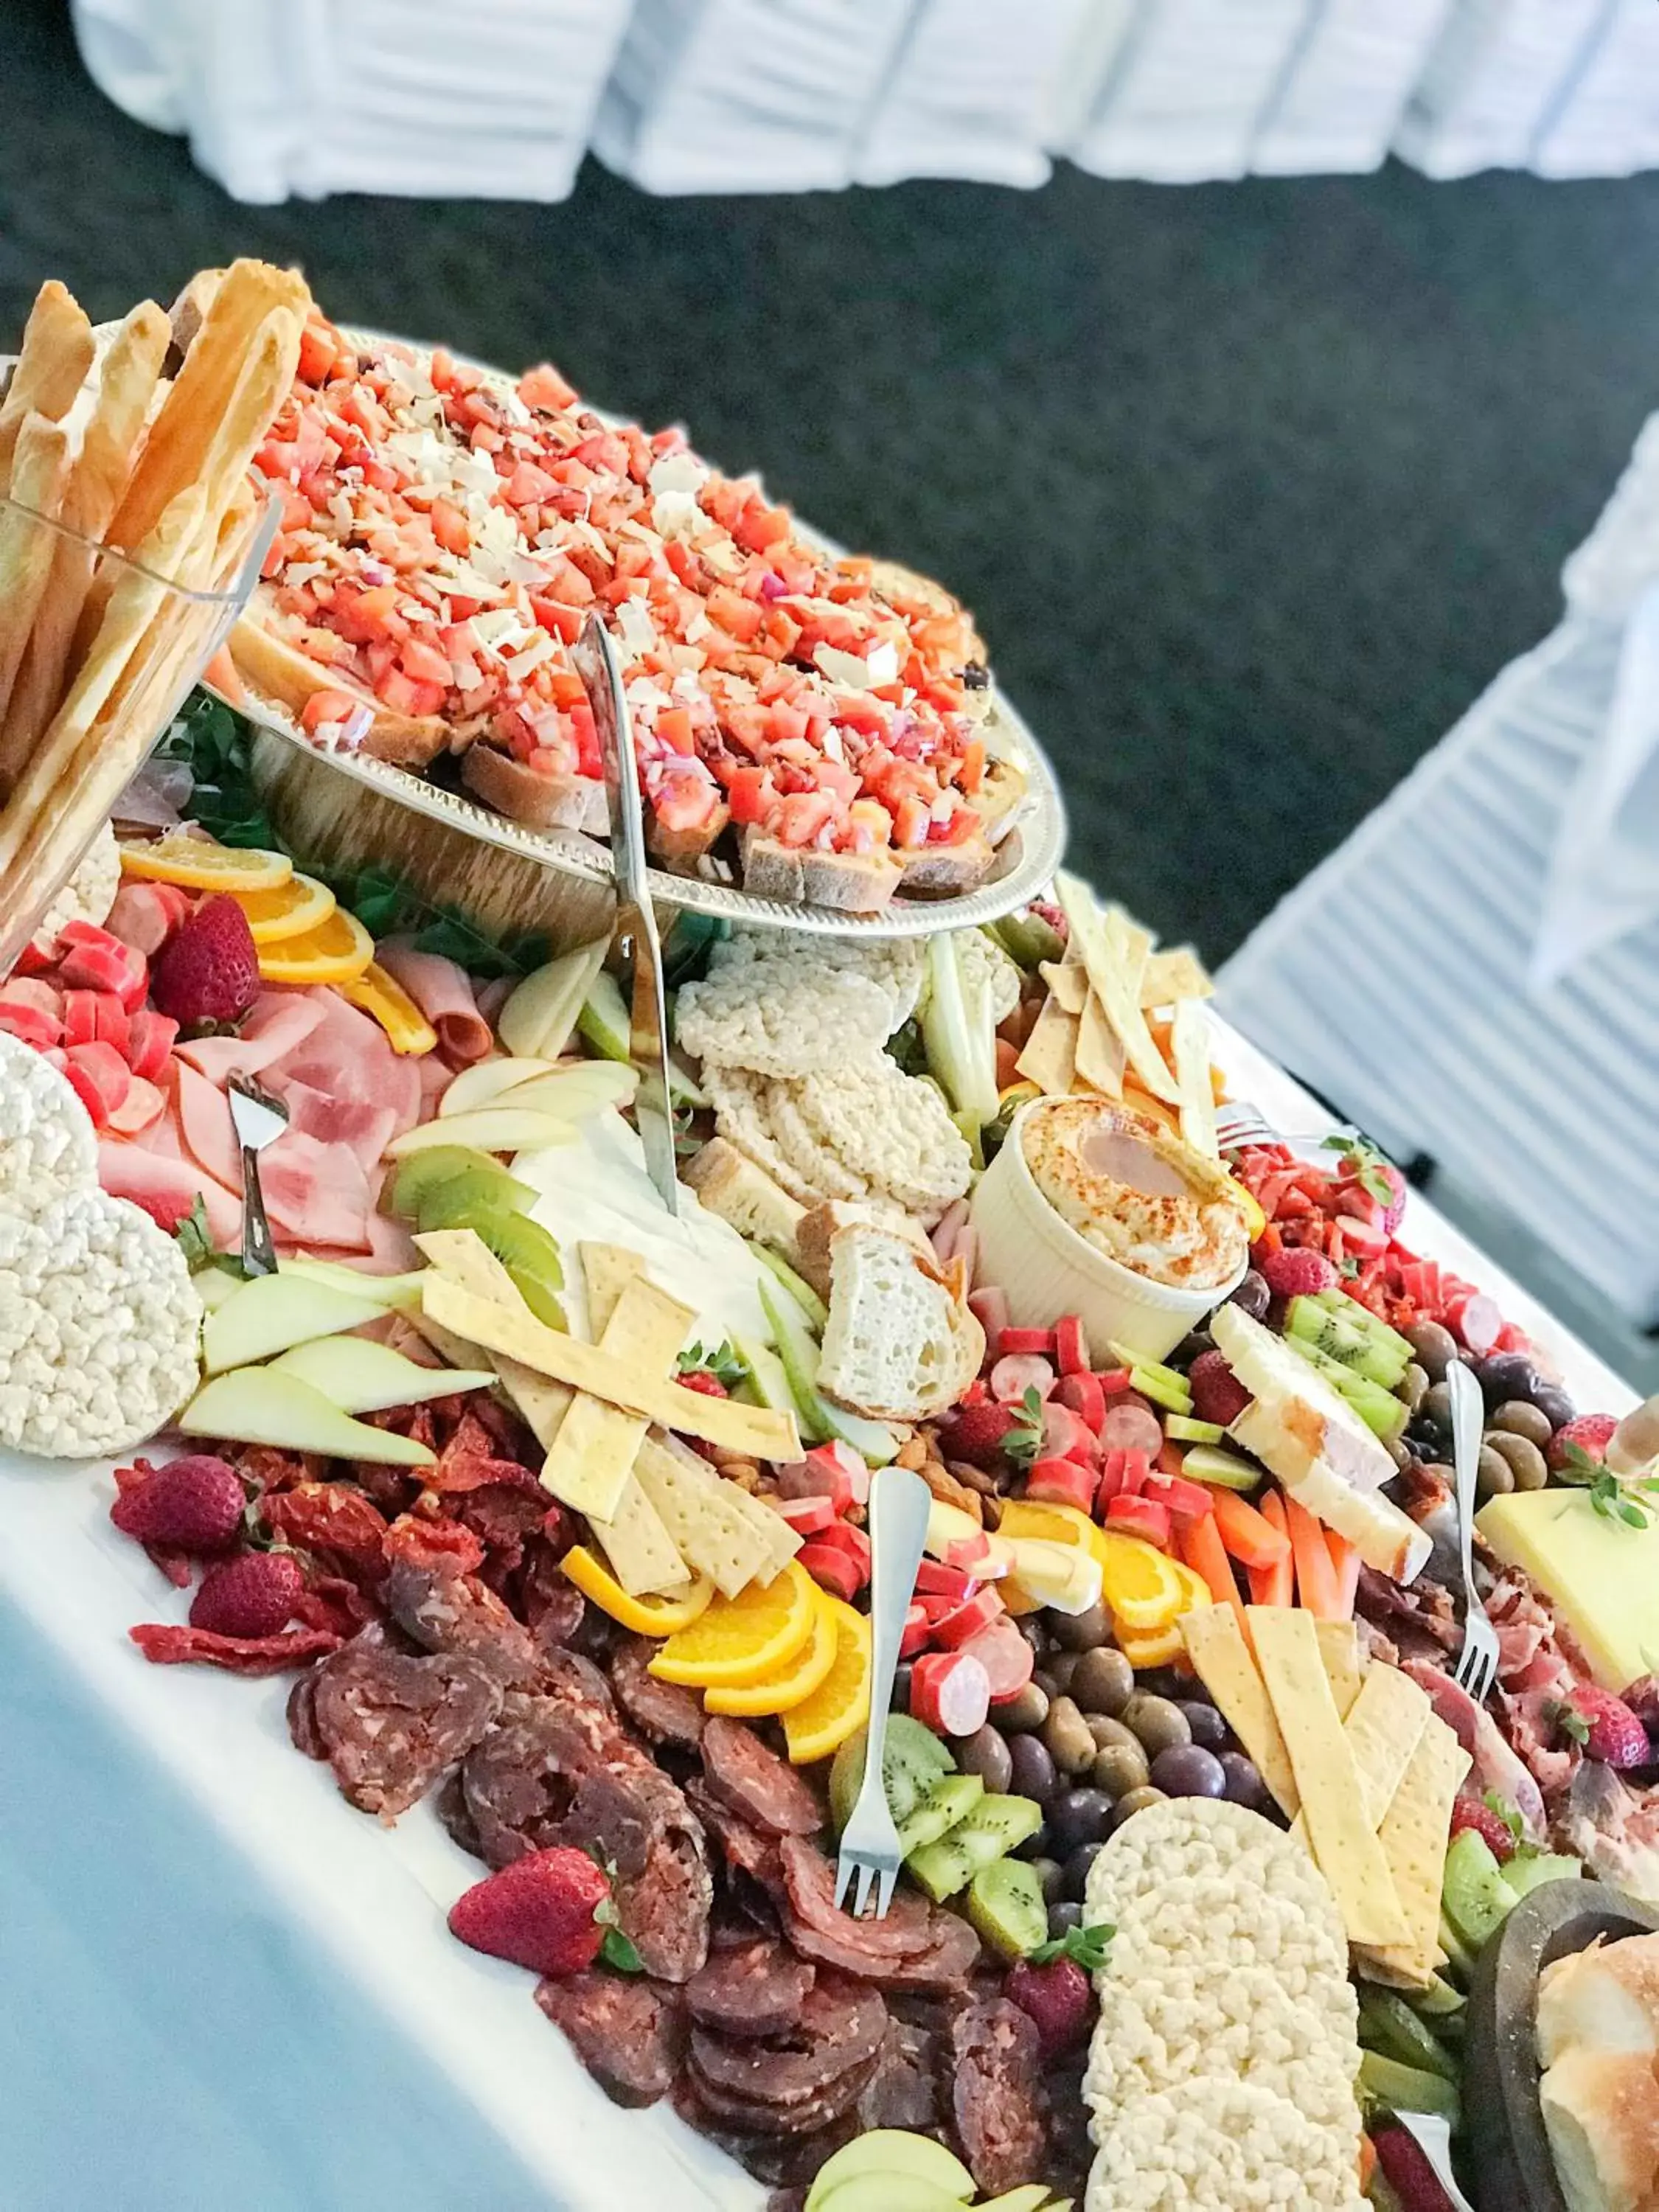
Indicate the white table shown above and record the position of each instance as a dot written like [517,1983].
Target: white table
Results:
[224,1987]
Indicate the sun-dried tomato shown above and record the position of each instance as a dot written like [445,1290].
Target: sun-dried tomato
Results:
[270,1468]
[432,1542]
[501,1519]
[332,1521]
[333,1603]
[171,1645]
[169,1560]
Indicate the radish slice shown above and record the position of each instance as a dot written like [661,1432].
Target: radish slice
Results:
[1016,1373]
[1071,1345]
[950,1692]
[1131,1428]
[990,1309]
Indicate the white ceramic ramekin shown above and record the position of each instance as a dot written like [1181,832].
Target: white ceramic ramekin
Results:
[1047,1269]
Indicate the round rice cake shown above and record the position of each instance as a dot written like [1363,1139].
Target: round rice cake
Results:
[1227,1919]
[739,1102]
[1158,2032]
[896,964]
[892,1131]
[1196,1837]
[777,1020]
[48,1146]
[1222,2146]
[815,1164]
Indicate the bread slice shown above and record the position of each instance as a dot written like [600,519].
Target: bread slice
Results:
[821,1224]
[851,883]
[747,1197]
[540,802]
[680,848]
[282,673]
[948,871]
[1605,1999]
[1601,2114]
[900,1344]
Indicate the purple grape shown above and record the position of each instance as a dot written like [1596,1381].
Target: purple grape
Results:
[1244,1783]
[1253,1296]
[1186,1770]
[1206,1725]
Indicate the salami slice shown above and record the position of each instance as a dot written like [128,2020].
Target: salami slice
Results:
[626,2031]
[663,1712]
[997,2096]
[390,1724]
[443,1611]
[942,1967]
[302,1717]
[810,1879]
[568,1674]
[903,2091]
[747,1850]
[761,1787]
[839,2030]
[666,1912]
[757,1990]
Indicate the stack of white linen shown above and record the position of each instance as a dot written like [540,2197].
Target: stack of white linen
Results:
[1186,86]
[1346,85]
[1608,124]
[1501,72]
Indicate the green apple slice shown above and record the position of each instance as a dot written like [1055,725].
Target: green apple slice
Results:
[574,1091]
[360,1376]
[491,1129]
[806,1296]
[261,1405]
[401,1292]
[540,1013]
[272,1312]
[892,2152]
[484,1081]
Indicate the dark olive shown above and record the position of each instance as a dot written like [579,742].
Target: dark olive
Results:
[1063,1917]
[1046,1682]
[1103,1682]
[1052,1875]
[1032,1771]
[1136,1801]
[1414,1384]
[1192,1346]
[1506,1375]
[1030,1626]
[1518,1417]
[900,1700]
[1494,1475]
[1435,1347]
[1066,1735]
[1186,1770]
[1436,1408]
[1118,1768]
[1244,1784]
[1078,1866]
[1554,1404]
[1253,1296]
[1206,1725]
[1157,1722]
[1026,1709]
[1162,1682]
[1525,1463]
[1079,1816]
[1059,1668]
[986,1754]
[1036,1845]
[1081,1632]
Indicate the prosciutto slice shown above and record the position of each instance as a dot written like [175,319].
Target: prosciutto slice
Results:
[204,1117]
[167,1188]
[315,1194]
[443,991]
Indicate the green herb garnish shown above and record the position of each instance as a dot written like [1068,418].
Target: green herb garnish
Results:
[1085,1947]
[1024,1442]
[723,1362]
[1366,1164]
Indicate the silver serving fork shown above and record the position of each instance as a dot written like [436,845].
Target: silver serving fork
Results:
[899,1506]
[595,661]
[1432,2136]
[259,1120]
[1477,1665]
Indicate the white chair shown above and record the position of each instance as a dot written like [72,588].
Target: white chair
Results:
[1498,74]
[1345,85]
[1185,86]
[1608,124]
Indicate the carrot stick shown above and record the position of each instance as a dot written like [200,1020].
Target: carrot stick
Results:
[1316,1577]
[1275,1585]
[1203,1551]
[1253,1541]
[1344,1560]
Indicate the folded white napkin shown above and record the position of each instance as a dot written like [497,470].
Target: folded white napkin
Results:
[1345,85]
[1607,123]
[969,92]
[1493,81]
[1187,86]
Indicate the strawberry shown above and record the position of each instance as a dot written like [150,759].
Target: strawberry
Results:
[210,972]
[253,1594]
[1292,1274]
[1470,1812]
[1218,1394]
[1614,1736]
[1585,1438]
[705,1380]
[977,1432]
[1052,1987]
[192,1505]
[548,1911]
[1365,1174]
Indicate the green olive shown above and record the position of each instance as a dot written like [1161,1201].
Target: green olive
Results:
[1103,1681]
[1494,1475]
[1525,1463]
[1065,1733]
[1120,1768]
[1158,1723]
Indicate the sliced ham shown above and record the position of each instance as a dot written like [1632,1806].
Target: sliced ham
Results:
[163,1137]
[366,1129]
[315,1194]
[278,1023]
[166,1189]
[204,1118]
[443,991]
[436,1075]
[143,1104]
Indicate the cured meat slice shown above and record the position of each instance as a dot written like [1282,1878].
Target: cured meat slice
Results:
[664,1913]
[808,2077]
[276,1023]
[457,1612]
[520,1781]
[756,1991]
[997,2096]
[167,1188]
[365,1129]
[747,1850]
[903,2091]
[943,1967]
[443,991]
[390,1724]
[761,1787]
[626,2030]
[663,1712]
[315,1194]
[203,1113]
[810,1879]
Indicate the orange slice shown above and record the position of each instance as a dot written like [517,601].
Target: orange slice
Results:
[336,951]
[744,1639]
[645,1616]
[1195,1590]
[197,865]
[840,1705]
[384,998]
[289,909]
[1158,1647]
[1139,1585]
[792,1685]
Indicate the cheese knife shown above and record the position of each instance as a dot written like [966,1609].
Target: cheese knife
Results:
[594,657]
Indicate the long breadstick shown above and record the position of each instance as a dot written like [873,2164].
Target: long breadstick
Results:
[127,379]
[202,391]
[27,540]
[57,353]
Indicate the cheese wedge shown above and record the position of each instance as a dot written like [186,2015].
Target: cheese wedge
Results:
[1600,1574]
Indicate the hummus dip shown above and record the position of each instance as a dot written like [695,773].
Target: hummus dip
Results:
[1136,1192]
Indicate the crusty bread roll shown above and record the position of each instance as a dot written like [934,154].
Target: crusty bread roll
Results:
[1602,2113]
[899,1344]
[1605,1999]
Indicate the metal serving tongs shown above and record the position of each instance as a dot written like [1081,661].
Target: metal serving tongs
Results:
[595,660]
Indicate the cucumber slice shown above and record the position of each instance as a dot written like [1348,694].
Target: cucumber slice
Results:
[797,1349]
[1207,1463]
[1440,2001]
[1182,1429]
[1388,2025]
[1164,1386]
[1459,1957]
[1386,2085]
[804,1296]
[1530,1869]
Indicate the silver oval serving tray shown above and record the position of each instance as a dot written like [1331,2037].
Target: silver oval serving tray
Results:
[341,808]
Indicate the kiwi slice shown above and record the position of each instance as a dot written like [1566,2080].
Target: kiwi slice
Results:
[452,1203]
[951,1799]
[913,1760]
[1383,1413]
[1005,1903]
[530,1256]
[1339,1302]
[1309,1321]
[424,1171]
[994,1827]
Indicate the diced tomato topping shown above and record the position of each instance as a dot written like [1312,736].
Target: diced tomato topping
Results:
[590,759]
[686,803]
[424,663]
[910,823]
[319,346]
[673,726]
[750,794]
[544,388]
[803,815]
[450,526]
[404,696]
